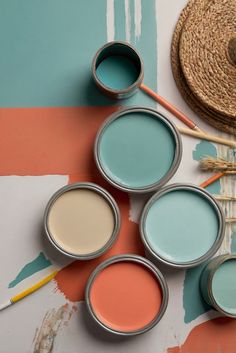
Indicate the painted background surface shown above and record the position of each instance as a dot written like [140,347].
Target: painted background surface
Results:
[49,115]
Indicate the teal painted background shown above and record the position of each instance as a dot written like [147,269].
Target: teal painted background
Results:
[47,48]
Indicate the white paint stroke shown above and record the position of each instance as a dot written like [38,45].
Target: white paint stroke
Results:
[138,18]
[110,20]
[127,21]
[157,66]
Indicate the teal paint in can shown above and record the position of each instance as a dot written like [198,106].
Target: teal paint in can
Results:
[138,150]
[182,225]
[117,70]
[218,284]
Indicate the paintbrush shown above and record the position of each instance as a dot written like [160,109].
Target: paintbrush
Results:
[224,198]
[215,177]
[204,136]
[193,130]
[209,163]
[28,291]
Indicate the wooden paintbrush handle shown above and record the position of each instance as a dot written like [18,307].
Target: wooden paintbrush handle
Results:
[170,107]
[208,137]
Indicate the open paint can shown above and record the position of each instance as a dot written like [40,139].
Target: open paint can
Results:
[117,70]
[182,225]
[126,295]
[82,220]
[138,149]
[218,284]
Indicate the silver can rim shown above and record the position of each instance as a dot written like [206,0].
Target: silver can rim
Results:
[106,195]
[132,258]
[176,160]
[120,93]
[213,202]
[218,261]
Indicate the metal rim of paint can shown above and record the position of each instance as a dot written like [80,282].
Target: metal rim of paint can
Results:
[209,271]
[102,192]
[176,161]
[122,49]
[151,267]
[217,207]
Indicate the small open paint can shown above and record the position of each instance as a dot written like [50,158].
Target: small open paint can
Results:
[117,70]
[182,225]
[126,295]
[82,220]
[218,284]
[138,150]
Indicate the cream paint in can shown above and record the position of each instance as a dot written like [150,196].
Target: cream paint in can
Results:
[82,220]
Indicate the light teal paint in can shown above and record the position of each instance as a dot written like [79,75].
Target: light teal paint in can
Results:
[117,72]
[182,225]
[218,284]
[138,150]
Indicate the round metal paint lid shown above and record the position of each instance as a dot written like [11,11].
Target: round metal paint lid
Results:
[136,260]
[111,203]
[175,225]
[138,150]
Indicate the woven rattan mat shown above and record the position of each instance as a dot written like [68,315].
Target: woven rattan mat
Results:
[203,66]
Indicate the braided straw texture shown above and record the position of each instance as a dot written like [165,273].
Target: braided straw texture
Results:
[203,69]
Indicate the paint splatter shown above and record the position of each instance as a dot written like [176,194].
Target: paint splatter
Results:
[193,303]
[214,336]
[233,242]
[203,149]
[29,269]
[52,322]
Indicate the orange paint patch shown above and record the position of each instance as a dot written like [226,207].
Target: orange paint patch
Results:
[126,296]
[42,141]
[217,335]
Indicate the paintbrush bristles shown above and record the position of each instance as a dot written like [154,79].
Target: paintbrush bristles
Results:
[216,164]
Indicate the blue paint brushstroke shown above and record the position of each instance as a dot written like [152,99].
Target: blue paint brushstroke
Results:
[194,304]
[203,149]
[233,242]
[29,269]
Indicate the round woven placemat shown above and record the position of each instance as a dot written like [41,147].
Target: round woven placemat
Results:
[202,65]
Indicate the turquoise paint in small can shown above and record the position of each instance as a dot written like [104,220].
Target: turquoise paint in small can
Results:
[218,284]
[138,150]
[182,225]
[117,70]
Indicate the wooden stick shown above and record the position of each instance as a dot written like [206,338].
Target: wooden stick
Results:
[208,137]
[170,107]
[224,198]
[211,180]
[230,220]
